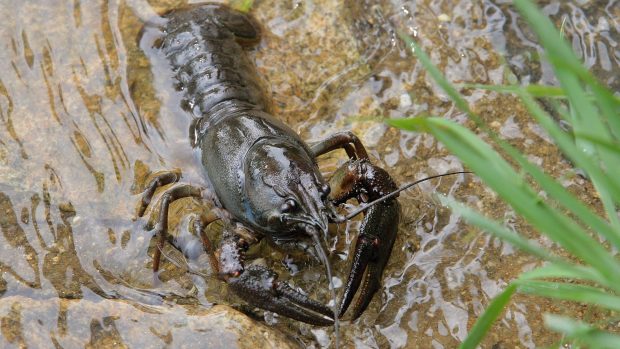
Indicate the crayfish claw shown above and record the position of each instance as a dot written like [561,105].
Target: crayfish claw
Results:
[259,287]
[364,181]
[372,252]
[363,253]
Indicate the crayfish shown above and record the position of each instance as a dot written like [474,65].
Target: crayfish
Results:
[263,178]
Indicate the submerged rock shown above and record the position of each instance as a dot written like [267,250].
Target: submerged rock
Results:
[105,323]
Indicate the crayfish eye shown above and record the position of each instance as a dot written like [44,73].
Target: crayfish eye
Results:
[288,206]
[325,190]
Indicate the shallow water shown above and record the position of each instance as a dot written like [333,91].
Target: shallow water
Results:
[85,116]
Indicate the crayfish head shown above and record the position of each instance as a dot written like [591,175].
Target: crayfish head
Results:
[284,190]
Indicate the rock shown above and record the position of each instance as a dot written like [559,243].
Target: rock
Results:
[105,323]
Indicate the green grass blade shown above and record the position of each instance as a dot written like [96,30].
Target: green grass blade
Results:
[582,332]
[586,119]
[565,143]
[594,113]
[500,302]
[558,52]
[570,292]
[566,271]
[568,145]
[498,230]
[560,268]
[563,59]
[610,106]
[544,91]
[435,73]
[486,320]
[242,5]
[611,146]
[498,175]
[534,90]
[608,204]
[611,153]
[565,198]
[584,114]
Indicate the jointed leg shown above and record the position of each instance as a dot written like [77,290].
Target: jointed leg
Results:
[172,194]
[161,228]
[159,180]
[199,228]
[345,140]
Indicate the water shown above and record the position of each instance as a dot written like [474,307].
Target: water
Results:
[84,117]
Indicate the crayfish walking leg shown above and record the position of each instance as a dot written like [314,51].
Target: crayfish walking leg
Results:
[174,193]
[255,283]
[345,140]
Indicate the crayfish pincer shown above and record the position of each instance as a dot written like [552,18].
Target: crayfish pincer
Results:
[264,178]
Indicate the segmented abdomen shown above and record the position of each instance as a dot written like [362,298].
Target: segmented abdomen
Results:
[202,45]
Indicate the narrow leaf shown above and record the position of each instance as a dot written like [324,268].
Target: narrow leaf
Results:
[486,320]
[584,333]
[498,230]
[496,173]
[566,271]
[571,292]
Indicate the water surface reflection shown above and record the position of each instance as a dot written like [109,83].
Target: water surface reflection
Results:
[85,117]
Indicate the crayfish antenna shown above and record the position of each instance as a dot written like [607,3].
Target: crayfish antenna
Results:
[321,251]
[342,219]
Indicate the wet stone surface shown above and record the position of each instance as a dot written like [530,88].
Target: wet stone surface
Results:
[41,323]
[86,117]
